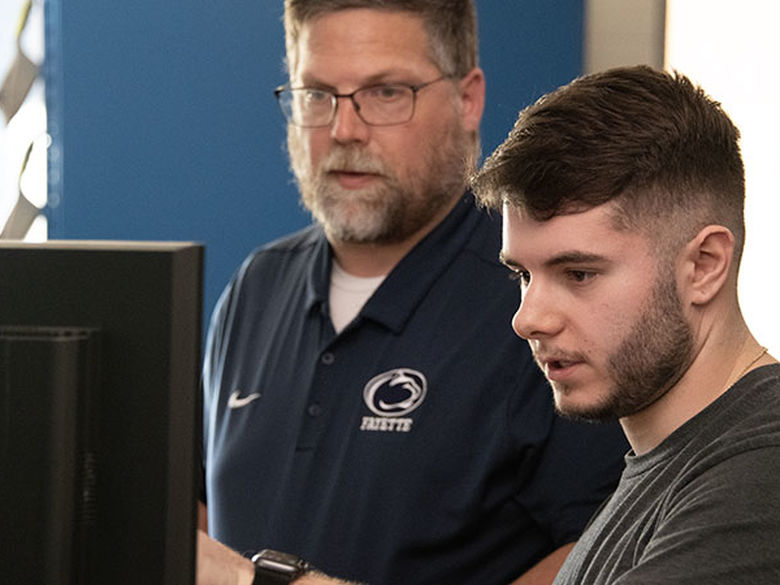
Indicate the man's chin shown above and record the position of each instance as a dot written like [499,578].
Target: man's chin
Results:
[572,404]
[352,228]
[335,201]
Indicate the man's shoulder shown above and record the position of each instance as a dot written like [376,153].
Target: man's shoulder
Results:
[737,432]
[298,242]
[284,260]
[752,403]
[296,247]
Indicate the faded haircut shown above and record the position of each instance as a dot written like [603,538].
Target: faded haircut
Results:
[451,26]
[652,142]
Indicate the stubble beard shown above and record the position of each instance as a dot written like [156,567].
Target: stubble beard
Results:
[394,208]
[650,360]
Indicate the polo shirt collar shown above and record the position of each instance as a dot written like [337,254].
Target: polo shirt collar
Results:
[404,288]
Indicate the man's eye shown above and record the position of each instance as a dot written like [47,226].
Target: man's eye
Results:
[580,275]
[385,93]
[521,276]
[314,96]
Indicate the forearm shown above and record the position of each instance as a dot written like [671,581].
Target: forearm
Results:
[316,578]
[219,565]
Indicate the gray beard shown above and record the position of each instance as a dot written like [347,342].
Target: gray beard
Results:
[388,212]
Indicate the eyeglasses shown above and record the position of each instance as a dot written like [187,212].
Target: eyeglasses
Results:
[377,105]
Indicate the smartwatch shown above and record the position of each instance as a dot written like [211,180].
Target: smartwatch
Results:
[277,568]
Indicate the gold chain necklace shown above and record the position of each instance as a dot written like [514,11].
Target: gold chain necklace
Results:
[751,364]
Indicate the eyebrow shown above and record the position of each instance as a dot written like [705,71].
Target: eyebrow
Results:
[567,257]
[575,257]
[389,76]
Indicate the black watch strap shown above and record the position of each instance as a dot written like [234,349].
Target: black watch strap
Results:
[277,568]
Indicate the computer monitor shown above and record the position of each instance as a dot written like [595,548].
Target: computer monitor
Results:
[99,412]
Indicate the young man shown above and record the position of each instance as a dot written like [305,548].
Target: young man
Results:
[622,198]
[365,407]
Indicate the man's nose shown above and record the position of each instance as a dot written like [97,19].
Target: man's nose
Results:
[348,126]
[537,316]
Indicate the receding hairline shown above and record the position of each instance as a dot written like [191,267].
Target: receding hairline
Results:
[452,46]
[293,48]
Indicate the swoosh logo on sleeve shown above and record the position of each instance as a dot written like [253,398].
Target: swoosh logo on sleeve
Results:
[238,401]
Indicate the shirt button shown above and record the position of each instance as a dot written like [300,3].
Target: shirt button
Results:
[328,358]
[314,410]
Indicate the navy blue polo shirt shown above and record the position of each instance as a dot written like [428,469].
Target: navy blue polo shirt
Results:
[417,446]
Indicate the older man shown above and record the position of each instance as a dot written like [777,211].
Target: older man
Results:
[367,405]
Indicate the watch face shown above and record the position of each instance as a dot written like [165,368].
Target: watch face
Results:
[279,562]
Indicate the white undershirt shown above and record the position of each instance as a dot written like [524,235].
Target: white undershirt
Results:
[348,294]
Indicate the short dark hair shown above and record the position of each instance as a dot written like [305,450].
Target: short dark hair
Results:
[651,141]
[451,26]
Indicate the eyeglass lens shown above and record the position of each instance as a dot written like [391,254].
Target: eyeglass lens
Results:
[379,105]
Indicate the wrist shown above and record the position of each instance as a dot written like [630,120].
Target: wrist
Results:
[245,574]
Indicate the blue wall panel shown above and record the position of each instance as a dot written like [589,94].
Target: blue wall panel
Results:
[164,124]
[527,48]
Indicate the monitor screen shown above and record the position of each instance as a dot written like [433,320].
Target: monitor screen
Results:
[99,412]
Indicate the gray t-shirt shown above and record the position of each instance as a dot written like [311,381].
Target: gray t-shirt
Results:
[701,508]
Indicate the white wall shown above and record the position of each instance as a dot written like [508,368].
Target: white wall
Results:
[733,50]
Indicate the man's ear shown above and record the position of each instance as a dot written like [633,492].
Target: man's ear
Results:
[708,259]
[472,95]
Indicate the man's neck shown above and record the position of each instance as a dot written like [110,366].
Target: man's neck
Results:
[718,363]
